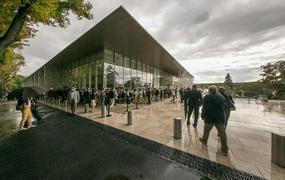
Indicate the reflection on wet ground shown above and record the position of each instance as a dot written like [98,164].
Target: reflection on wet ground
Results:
[249,133]
[275,106]
[67,147]
[9,119]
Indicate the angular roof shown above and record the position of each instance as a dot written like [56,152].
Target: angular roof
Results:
[120,31]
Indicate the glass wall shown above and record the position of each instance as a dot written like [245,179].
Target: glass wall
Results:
[101,69]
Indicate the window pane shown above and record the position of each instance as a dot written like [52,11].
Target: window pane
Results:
[118,59]
[108,56]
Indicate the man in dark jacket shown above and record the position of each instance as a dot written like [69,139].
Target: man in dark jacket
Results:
[194,101]
[214,114]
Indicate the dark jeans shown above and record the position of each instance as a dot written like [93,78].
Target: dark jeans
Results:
[221,131]
[73,107]
[196,114]
[228,113]
[36,115]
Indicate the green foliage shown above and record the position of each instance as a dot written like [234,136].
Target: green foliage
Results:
[274,74]
[8,71]
[16,29]
[228,81]
[47,12]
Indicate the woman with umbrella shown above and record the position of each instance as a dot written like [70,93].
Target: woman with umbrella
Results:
[26,113]
[26,102]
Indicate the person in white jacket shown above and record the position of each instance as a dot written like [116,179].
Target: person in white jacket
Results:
[73,99]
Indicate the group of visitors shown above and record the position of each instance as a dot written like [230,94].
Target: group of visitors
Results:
[90,98]
[216,107]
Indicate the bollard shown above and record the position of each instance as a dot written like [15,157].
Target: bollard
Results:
[130,117]
[278,149]
[86,105]
[65,103]
[177,128]
[103,111]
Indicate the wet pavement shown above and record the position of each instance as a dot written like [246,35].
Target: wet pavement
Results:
[9,119]
[65,147]
[249,133]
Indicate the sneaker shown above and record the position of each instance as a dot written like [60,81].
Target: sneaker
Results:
[225,153]
[188,123]
[23,128]
[31,126]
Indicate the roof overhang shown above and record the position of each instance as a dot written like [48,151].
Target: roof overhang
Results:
[119,31]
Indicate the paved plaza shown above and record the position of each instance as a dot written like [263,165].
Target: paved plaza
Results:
[249,133]
[67,147]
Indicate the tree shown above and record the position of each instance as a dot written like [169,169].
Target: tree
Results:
[19,17]
[112,75]
[228,80]
[269,73]
[274,75]
[273,72]
[8,71]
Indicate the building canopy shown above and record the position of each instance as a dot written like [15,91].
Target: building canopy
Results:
[120,32]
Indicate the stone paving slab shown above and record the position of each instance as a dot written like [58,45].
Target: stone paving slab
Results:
[203,166]
[249,133]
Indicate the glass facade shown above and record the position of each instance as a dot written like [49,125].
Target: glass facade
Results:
[102,69]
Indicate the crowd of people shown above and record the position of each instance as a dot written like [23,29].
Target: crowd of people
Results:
[111,96]
[216,105]
[216,108]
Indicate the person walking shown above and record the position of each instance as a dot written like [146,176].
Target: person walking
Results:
[194,101]
[35,113]
[214,114]
[73,98]
[137,97]
[173,94]
[186,108]
[92,100]
[148,94]
[111,97]
[230,103]
[86,99]
[181,94]
[26,113]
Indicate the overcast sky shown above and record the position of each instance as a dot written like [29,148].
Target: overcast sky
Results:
[208,37]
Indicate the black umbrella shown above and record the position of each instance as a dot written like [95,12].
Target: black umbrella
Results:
[30,91]
[16,93]
[33,91]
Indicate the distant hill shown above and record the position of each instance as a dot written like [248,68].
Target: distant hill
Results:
[250,89]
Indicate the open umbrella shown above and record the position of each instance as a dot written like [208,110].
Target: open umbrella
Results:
[30,91]
[33,91]
[16,93]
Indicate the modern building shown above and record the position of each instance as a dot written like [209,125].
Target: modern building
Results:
[116,52]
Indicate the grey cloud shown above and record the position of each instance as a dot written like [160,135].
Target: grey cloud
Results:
[189,29]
